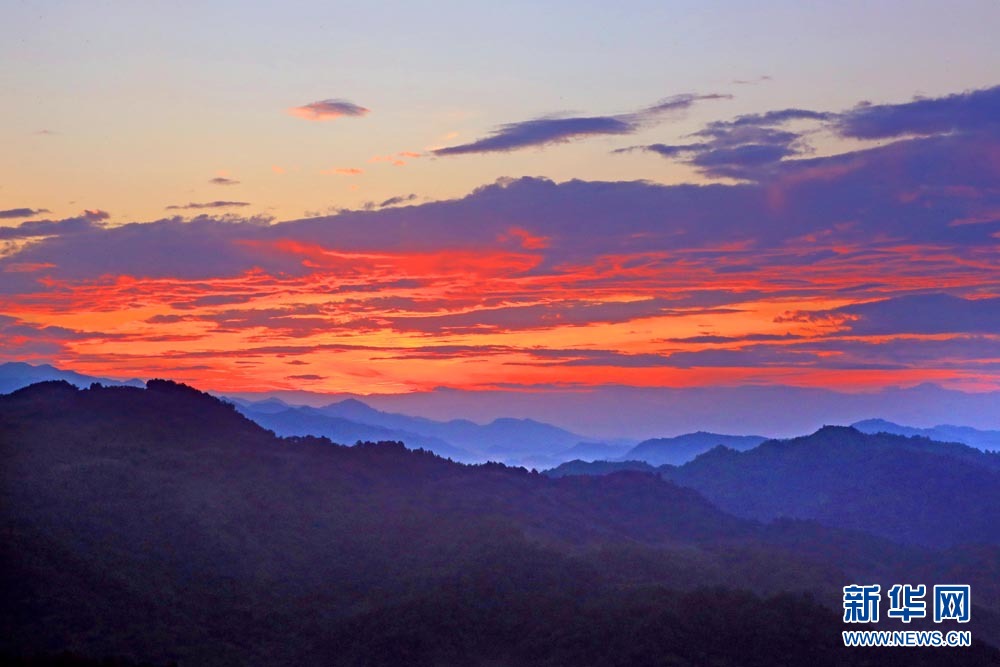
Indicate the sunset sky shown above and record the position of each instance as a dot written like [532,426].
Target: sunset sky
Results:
[390,197]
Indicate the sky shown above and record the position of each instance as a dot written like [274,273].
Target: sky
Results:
[393,197]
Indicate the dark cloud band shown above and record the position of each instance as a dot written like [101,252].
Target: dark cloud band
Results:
[555,129]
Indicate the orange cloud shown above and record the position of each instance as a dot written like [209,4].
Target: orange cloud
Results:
[525,282]
[395,159]
[342,171]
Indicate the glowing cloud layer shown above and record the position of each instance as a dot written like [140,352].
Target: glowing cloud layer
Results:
[865,269]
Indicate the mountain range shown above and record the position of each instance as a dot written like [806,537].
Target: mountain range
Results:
[640,413]
[983,439]
[908,489]
[619,414]
[17,374]
[518,441]
[682,448]
[162,525]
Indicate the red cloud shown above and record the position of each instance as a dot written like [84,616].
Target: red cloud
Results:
[527,240]
[818,274]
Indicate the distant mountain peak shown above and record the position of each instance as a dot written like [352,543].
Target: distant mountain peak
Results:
[518,420]
[45,388]
[682,448]
[272,401]
[874,422]
[859,481]
[23,366]
[171,388]
[352,403]
[834,429]
[986,440]
[18,374]
[718,452]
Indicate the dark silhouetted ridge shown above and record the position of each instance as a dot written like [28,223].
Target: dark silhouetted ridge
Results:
[682,448]
[578,467]
[910,490]
[160,525]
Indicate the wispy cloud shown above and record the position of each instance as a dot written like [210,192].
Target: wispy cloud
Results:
[392,201]
[86,221]
[676,103]
[209,204]
[763,78]
[328,110]
[560,129]
[342,171]
[396,159]
[740,148]
[223,180]
[21,213]
[756,146]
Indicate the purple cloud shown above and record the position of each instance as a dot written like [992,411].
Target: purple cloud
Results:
[743,148]
[906,193]
[200,247]
[222,180]
[210,204]
[751,147]
[772,118]
[166,319]
[328,110]
[37,228]
[391,201]
[678,103]
[542,131]
[734,161]
[968,111]
[922,314]
[22,213]
[666,150]
[556,129]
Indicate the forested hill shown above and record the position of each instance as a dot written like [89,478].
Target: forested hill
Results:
[912,490]
[907,489]
[160,525]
